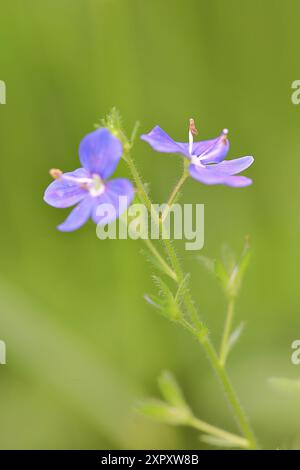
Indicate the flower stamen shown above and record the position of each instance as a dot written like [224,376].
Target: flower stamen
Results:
[192,131]
[224,135]
[55,173]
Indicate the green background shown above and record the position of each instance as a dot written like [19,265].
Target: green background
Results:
[82,345]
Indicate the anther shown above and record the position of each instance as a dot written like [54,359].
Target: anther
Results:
[192,127]
[192,131]
[55,173]
[224,135]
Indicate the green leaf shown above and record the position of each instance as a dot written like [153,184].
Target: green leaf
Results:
[171,391]
[221,274]
[216,441]
[238,272]
[171,308]
[234,337]
[161,411]
[228,258]
[227,271]
[154,301]
[182,289]
[153,261]
[217,268]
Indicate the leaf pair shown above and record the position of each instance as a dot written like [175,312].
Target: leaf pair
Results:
[174,410]
[167,303]
[228,271]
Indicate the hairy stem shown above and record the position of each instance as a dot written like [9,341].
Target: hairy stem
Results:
[230,393]
[164,265]
[138,181]
[145,199]
[188,301]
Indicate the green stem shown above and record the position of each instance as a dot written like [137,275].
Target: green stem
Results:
[229,390]
[166,268]
[143,195]
[174,193]
[188,302]
[207,428]
[139,183]
[227,330]
[201,331]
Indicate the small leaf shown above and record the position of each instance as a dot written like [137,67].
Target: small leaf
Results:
[234,337]
[228,272]
[171,391]
[171,308]
[217,268]
[161,411]
[221,274]
[237,274]
[153,261]
[228,258]
[182,289]
[154,301]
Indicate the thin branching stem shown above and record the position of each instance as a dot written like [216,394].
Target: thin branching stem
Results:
[233,439]
[164,265]
[197,328]
[174,194]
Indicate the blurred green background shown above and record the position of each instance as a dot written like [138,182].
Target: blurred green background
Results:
[82,345]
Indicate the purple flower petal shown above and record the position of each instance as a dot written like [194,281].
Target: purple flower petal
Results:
[61,193]
[100,152]
[162,142]
[113,202]
[211,175]
[78,216]
[238,181]
[213,150]
[232,167]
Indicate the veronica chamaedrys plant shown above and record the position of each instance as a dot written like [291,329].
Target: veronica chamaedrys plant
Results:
[173,299]
[99,152]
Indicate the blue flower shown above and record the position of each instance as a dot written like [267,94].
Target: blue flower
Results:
[99,153]
[207,157]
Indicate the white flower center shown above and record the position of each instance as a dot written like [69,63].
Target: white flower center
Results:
[196,159]
[97,186]
[94,185]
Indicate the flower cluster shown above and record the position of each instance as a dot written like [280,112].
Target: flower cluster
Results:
[100,152]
